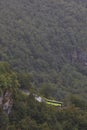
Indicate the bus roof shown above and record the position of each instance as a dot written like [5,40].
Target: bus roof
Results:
[53,101]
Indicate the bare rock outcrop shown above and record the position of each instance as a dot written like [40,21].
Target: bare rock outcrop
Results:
[6,101]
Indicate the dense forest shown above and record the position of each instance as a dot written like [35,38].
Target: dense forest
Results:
[43,52]
[48,40]
[19,111]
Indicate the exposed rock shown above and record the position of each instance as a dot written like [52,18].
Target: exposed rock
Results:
[7,106]
[6,101]
[1,100]
[77,55]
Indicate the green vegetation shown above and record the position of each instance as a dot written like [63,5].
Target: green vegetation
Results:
[8,78]
[28,114]
[41,116]
[48,40]
[45,41]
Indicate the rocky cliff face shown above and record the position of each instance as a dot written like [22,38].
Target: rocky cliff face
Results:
[6,101]
[77,55]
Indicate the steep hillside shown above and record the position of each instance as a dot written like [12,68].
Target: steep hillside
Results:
[47,38]
[26,110]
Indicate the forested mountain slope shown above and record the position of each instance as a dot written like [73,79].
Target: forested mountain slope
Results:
[47,38]
[26,111]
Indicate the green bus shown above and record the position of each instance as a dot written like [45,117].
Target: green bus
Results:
[53,102]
